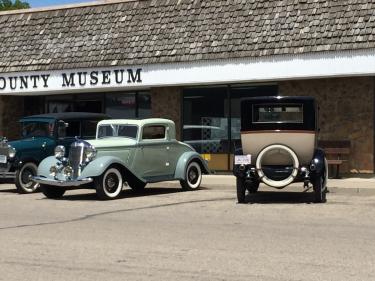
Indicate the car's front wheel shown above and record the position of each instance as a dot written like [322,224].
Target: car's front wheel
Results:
[51,191]
[193,177]
[23,181]
[109,185]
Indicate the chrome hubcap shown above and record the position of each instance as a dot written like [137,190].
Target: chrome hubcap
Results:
[193,175]
[111,183]
[26,175]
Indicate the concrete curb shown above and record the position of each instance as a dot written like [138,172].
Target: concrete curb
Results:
[230,180]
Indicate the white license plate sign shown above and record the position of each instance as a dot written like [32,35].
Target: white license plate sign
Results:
[3,159]
[242,159]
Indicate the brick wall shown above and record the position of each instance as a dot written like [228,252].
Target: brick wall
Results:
[166,103]
[11,110]
[346,112]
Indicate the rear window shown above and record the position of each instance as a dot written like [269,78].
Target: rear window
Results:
[278,113]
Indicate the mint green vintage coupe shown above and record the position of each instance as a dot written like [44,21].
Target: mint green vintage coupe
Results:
[125,152]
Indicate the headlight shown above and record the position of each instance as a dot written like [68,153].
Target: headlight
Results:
[12,152]
[68,171]
[53,171]
[90,153]
[59,151]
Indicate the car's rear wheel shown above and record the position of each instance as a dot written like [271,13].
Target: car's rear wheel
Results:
[319,190]
[320,185]
[23,181]
[109,185]
[193,177]
[241,190]
[51,191]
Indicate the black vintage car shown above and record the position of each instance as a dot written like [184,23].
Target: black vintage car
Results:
[40,135]
[279,146]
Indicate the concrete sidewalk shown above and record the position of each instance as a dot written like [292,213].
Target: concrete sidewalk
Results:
[354,182]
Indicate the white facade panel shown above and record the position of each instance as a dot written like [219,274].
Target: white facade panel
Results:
[283,67]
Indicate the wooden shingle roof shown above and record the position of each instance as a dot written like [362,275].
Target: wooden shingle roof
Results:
[161,31]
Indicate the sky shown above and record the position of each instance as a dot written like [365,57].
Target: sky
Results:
[44,3]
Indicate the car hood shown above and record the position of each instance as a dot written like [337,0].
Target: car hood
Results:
[29,143]
[112,142]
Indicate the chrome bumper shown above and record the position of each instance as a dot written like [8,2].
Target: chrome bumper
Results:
[62,183]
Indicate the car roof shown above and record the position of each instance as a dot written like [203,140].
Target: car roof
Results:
[68,115]
[279,98]
[139,122]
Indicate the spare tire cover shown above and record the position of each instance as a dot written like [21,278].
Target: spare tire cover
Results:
[275,183]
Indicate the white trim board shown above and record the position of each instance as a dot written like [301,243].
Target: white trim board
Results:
[245,70]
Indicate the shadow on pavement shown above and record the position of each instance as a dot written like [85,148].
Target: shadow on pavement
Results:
[280,197]
[10,190]
[127,193]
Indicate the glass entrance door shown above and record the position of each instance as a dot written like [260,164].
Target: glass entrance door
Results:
[206,124]
[212,120]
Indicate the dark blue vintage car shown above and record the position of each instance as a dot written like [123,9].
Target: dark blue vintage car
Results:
[40,135]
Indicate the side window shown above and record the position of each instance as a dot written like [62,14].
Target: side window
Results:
[73,129]
[153,132]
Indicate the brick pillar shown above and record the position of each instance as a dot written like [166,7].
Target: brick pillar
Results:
[166,103]
[346,112]
[11,110]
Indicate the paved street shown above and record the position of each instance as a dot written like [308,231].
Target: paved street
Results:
[166,234]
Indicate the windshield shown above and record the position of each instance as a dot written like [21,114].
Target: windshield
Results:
[37,129]
[111,130]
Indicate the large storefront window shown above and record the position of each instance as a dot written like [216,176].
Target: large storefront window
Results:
[128,105]
[144,105]
[121,105]
[211,120]
[79,103]
[117,104]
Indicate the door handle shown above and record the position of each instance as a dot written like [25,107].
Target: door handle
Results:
[44,145]
[167,147]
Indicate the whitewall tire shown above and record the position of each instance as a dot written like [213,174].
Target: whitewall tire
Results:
[193,177]
[23,180]
[109,184]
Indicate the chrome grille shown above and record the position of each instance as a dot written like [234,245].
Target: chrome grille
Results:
[4,150]
[76,157]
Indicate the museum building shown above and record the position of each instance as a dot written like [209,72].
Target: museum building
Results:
[193,62]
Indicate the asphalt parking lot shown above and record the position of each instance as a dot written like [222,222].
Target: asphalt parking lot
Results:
[166,234]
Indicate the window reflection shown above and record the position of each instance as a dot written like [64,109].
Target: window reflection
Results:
[121,105]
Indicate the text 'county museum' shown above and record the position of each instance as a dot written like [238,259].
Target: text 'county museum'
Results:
[193,62]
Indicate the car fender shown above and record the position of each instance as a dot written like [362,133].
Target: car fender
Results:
[185,159]
[99,165]
[45,166]
[318,162]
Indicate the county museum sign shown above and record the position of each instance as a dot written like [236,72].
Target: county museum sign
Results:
[69,80]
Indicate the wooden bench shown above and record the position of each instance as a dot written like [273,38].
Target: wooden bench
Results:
[337,152]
